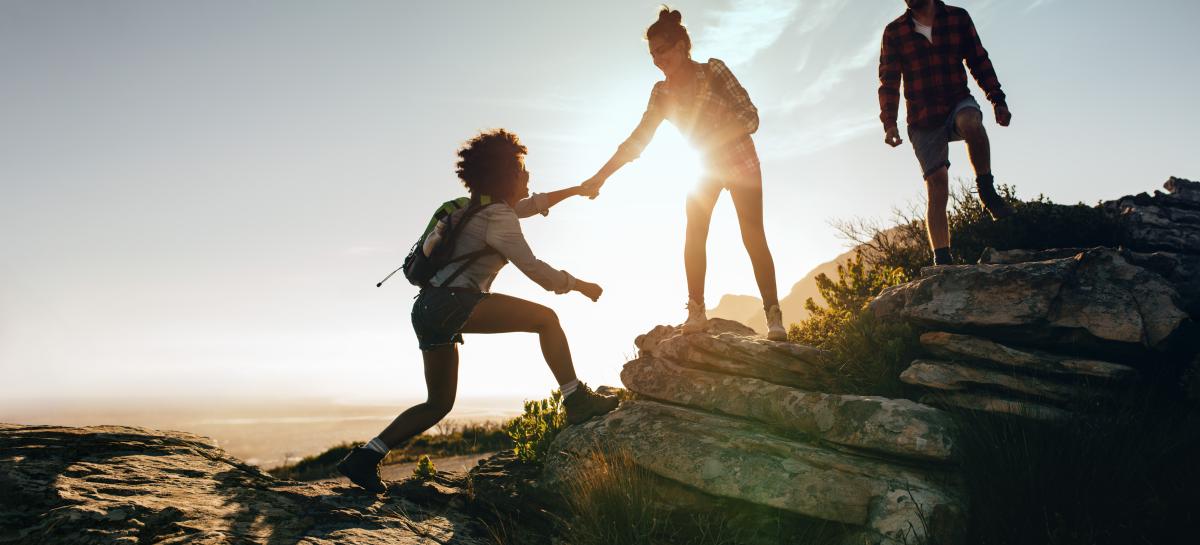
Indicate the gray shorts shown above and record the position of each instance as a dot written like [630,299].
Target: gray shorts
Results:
[932,145]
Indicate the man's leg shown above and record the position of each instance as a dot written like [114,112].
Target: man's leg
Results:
[937,186]
[969,124]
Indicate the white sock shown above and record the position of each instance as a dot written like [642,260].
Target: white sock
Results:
[568,388]
[377,445]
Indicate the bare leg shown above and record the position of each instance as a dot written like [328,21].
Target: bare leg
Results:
[505,314]
[749,205]
[938,187]
[970,125]
[695,256]
[441,383]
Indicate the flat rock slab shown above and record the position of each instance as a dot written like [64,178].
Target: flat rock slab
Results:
[957,378]
[1095,298]
[890,427]
[734,353]
[111,484]
[731,458]
[957,346]
[997,404]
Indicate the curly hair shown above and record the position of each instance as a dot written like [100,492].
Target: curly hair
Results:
[489,163]
[669,26]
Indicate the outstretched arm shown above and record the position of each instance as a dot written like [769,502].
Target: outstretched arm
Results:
[633,146]
[504,235]
[541,203]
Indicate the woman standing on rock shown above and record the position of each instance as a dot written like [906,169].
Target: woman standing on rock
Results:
[709,106]
[457,300]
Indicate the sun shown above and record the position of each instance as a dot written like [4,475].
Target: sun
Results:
[671,160]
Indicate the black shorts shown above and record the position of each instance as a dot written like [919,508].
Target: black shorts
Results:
[438,315]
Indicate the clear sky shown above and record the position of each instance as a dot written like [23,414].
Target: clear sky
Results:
[197,198]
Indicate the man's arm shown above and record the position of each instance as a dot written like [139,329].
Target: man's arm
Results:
[984,73]
[889,88]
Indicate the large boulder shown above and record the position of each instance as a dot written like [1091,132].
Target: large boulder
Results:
[733,458]
[1094,301]
[889,427]
[111,484]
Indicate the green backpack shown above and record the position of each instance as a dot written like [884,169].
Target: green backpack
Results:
[420,267]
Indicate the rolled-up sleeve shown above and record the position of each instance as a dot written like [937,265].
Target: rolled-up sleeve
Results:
[632,147]
[504,235]
[538,203]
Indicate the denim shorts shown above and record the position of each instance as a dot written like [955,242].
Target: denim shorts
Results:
[438,315]
[932,145]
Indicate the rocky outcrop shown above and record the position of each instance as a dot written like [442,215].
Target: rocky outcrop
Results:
[128,485]
[1095,300]
[1168,222]
[733,416]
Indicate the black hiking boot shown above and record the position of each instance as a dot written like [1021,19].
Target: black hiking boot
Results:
[583,404]
[992,202]
[361,466]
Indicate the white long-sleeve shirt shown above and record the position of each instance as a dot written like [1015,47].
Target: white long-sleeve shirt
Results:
[498,226]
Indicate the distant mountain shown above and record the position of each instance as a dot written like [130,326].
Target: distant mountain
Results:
[748,310]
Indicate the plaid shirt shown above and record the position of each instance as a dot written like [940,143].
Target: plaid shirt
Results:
[934,79]
[717,117]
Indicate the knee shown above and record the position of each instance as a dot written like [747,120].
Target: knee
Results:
[970,124]
[938,187]
[441,404]
[754,237]
[546,320]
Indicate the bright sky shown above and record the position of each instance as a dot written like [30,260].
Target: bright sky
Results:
[197,198]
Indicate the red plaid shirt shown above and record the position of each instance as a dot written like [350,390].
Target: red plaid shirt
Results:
[717,117]
[934,79]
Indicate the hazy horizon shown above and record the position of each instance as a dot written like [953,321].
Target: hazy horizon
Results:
[197,199]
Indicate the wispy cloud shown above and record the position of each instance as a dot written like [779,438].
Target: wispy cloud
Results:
[746,28]
[817,15]
[814,138]
[834,73]
[1036,4]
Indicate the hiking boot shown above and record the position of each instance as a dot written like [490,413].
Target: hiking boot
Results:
[361,466]
[583,404]
[697,319]
[992,202]
[775,329]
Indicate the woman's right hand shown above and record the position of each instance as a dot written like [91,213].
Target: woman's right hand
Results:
[588,289]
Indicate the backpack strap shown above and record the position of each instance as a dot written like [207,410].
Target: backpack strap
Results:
[470,257]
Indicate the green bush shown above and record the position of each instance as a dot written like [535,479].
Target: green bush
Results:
[425,469]
[536,428]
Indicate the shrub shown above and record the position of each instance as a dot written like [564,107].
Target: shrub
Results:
[536,428]
[425,469]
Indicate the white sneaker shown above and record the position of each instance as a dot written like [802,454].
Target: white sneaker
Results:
[775,329]
[697,319]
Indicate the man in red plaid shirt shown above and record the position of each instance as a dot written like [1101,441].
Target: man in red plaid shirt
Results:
[926,48]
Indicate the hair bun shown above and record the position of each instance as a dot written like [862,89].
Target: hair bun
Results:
[668,15]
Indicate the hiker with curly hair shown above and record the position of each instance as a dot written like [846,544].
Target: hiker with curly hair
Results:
[457,300]
[708,105]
